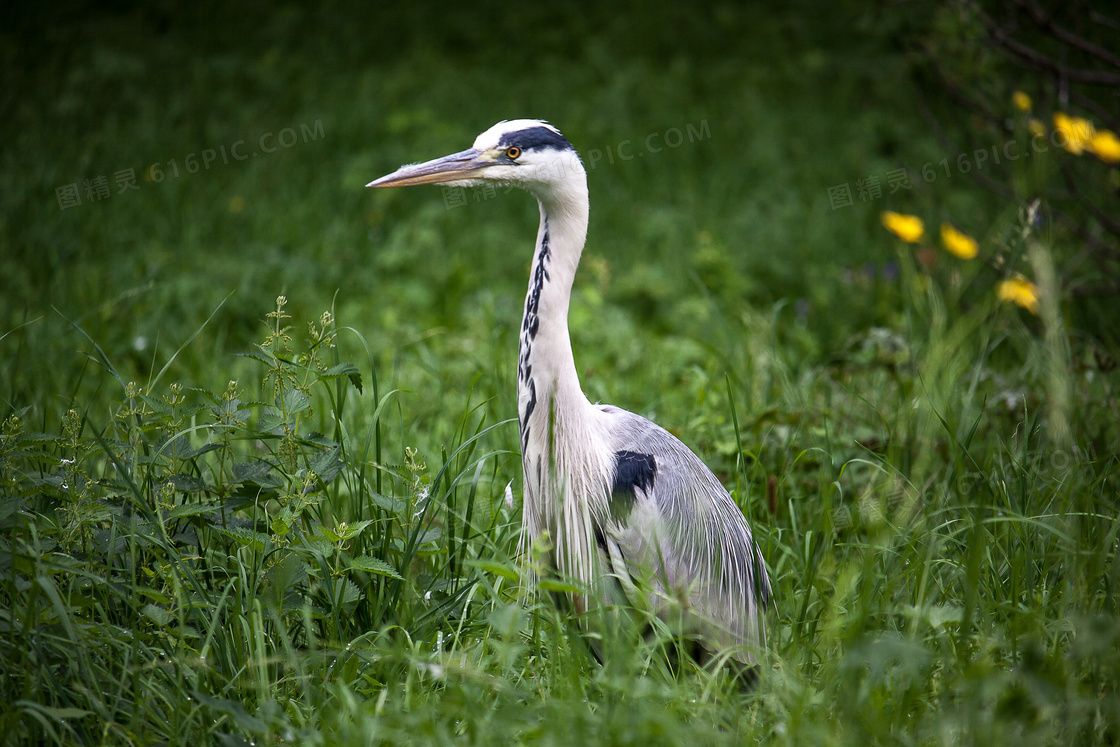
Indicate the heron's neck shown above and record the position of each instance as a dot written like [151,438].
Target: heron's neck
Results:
[546,373]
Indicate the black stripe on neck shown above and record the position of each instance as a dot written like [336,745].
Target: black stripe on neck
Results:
[530,325]
[531,322]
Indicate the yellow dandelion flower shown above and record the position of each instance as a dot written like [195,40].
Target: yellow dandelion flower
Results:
[1077,132]
[1105,145]
[1022,101]
[1019,290]
[1036,128]
[909,228]
[958,243]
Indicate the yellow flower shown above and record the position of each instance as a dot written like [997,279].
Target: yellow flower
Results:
[1019,290]
[1106,146]
[1077,132]
[1022,101]
[1036,128]
[909,228]
[957,243]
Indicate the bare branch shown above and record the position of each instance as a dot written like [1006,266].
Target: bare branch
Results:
[1088,104]
[1068,37]
[1104,20]
[1107,222]
[1040,61]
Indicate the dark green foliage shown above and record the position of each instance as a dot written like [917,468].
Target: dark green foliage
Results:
[202,545]
[226,518]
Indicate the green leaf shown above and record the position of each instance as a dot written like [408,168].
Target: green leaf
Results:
[344,369]
[316,546]
[184,632]
[61,713]
[329,534]
[192,509]
[350,531]
[9,506]
[255,472]
[157,406]
[258,355]
[935,615]
[341,369]
[346,591]
[375,565]
[248,538]
[231,410]
[504,570]
[188,483]
[158,615]
[188,411]
[551,584]
[395,506]
[326,464]
[270,421]
[234,710]
[204,449]
[38,437]
[430,535]
[940,615]
[292,401]
[317,438]
[283,521]
[288,573]
[55,481]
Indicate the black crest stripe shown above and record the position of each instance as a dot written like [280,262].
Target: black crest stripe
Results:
[535,138]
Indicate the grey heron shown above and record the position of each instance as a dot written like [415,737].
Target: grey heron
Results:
[626,505]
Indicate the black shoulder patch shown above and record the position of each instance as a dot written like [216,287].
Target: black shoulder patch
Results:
[601,539]
[535,138]
[632,471]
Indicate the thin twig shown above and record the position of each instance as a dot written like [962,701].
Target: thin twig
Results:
[1107,221]
[1068,37]
[1039,61]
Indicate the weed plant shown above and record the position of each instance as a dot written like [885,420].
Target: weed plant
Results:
[275,566]
[314,541]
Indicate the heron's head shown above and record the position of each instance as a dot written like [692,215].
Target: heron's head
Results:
[526,153]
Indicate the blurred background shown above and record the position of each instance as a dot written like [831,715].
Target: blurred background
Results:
[862,256]
[164,158]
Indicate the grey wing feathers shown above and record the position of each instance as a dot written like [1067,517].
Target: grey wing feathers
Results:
[684,528]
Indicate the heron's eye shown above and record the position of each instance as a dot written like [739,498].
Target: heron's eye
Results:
[513,153]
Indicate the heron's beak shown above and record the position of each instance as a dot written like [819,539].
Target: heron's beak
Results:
[462,166]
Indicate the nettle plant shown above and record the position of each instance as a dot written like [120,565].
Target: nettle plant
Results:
[229,532]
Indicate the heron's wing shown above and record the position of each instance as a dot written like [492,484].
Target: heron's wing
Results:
[671,519]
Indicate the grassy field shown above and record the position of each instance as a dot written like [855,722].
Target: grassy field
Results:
[261,481]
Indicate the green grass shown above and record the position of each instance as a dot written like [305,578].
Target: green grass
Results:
[225,517]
